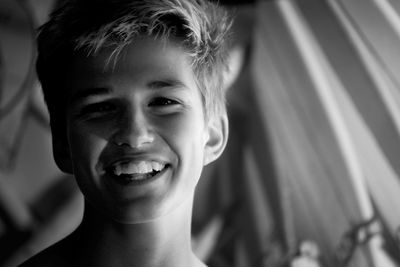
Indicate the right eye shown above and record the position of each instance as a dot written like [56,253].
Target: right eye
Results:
[98,109]
[163,102]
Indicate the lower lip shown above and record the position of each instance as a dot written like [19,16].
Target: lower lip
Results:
[132,182]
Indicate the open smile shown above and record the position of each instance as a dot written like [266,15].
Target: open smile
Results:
[136,172]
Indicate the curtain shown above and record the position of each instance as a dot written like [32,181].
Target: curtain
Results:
[323,112]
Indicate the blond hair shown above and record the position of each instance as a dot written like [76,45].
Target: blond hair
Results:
[88,26]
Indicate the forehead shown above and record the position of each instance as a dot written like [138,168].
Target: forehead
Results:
[143,60]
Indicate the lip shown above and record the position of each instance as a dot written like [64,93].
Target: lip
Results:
[106,166]
[126,181]
[131,159]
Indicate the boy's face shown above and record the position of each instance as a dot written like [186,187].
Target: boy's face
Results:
[137,138]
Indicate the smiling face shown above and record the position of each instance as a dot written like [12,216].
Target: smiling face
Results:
[136,135]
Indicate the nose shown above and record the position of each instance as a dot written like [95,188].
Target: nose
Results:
[133,129]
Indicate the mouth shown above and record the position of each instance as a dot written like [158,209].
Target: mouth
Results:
[136,172]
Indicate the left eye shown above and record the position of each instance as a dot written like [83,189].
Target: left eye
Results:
[98,108]
[162,101]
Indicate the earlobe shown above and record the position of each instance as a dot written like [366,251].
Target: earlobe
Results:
[218,130]
[62,154]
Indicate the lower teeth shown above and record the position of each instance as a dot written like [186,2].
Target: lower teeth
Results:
[137,177]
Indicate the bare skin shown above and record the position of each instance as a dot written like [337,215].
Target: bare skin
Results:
[145,109]
[102,242]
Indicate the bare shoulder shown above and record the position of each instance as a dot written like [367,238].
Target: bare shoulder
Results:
[55,255]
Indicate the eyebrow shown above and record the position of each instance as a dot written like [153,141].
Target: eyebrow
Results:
[97,91]
[163,83]
[88,92]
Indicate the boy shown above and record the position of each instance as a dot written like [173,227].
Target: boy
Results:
[134,91]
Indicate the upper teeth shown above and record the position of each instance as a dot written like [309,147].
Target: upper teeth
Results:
[140,167]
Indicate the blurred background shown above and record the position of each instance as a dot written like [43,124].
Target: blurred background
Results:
[311,174]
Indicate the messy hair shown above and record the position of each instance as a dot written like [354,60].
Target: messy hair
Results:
[87,26]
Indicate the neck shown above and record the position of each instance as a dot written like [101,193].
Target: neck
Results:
[165,241]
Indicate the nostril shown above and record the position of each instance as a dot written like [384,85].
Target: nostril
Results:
[133,139]
[133,128]
[122,144]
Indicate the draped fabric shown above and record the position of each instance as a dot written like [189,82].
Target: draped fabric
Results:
[318,142]
[315,144]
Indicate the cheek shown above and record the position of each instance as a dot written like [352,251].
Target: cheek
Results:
[186,137]
[86,148]
[85,151]
[183,131]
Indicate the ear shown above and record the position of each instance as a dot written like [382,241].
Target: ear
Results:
[61,153]
[218,130]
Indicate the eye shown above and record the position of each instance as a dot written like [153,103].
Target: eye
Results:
[98,108]
[163,101]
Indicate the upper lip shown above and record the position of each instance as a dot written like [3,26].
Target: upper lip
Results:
[132,158]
